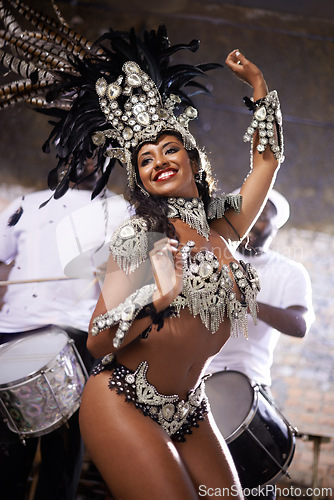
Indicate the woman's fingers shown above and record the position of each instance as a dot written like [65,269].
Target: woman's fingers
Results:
[244,69]
[164,247]
[235,58]
[163,264]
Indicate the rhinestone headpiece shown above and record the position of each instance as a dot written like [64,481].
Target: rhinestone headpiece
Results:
[134,108]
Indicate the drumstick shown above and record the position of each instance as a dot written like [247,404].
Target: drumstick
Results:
[39,280]
[90,285]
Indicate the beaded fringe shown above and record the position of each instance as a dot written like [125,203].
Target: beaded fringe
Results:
[219,204]
[129,244]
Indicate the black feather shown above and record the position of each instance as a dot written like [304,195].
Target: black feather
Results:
[45,202]
[13,219]
[102,182]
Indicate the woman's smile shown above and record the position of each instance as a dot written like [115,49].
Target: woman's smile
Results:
[164,174]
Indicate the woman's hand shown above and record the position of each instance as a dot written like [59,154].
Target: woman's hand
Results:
[248,72]
[167,272]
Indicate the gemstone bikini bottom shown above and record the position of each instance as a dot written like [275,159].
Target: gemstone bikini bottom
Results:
[176,416]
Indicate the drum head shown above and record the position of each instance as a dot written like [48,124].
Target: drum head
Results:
[231,398]
[27,355]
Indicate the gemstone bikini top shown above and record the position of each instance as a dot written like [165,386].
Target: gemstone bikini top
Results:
[208,290]
[207,287]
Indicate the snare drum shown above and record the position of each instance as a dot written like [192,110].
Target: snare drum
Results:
[260,439]
[41,381]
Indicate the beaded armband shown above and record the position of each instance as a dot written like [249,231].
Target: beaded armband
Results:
[267,115]
[124,314]
[129,244]
[219,204]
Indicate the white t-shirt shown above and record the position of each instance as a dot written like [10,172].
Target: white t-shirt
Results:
[284,283]
[36,247]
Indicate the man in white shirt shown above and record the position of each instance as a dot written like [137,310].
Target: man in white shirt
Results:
[284,302]
[39,295]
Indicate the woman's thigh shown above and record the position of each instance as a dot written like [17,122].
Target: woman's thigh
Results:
[209,462]
[134,455]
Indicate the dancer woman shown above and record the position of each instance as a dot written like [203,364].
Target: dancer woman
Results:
[144,415]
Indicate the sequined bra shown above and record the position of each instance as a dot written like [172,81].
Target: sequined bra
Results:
[208,290]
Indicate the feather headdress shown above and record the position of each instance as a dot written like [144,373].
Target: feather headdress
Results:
[105,97]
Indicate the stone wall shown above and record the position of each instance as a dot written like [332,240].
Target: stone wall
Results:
[303,370]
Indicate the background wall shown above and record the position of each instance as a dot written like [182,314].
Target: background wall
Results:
[295,51]
[303,370]
[292,42]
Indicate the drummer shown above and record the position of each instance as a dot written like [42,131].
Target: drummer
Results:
[285,301]
[30,242]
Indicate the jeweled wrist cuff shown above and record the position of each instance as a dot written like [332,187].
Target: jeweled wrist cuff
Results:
[124,314]
[267,115]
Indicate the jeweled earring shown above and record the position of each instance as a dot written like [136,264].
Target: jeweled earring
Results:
[143,190]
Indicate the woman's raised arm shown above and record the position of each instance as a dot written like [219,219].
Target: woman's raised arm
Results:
[265,154]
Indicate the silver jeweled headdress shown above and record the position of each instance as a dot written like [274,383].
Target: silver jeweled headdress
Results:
[141,118]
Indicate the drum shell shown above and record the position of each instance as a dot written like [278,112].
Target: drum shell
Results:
[262,444]
[264,448]
[45,399]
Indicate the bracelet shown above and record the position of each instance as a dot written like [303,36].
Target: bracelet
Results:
[157,317]
[148,310]
[124,314]
[267,114]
